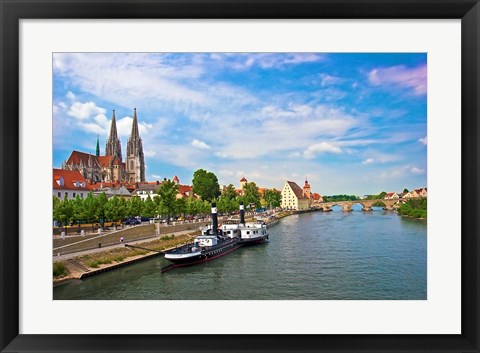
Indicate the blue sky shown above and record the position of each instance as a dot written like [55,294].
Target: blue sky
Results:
[351,123]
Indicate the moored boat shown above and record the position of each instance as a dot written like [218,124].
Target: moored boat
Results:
[217,241]
[211,244]
[251,232]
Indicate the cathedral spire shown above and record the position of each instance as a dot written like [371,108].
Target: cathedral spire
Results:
[97,152]
[135,135]
[113,147]
[135,160]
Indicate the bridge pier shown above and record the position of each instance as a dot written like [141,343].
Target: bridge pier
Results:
[366,208]
[346,208]
[388,207]
[326,209]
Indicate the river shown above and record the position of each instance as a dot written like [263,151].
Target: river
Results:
[356,255]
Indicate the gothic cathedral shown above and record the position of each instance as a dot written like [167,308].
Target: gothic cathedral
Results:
[110,167]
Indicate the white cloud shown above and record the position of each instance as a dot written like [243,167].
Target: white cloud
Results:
[329,80]
[415,170]
[368,161]
[83,111]
[265,60]
[423,141]
[322,147]
[199,144]
[157,177]
[124,127]
[70,95]
[149,153]
[401,76]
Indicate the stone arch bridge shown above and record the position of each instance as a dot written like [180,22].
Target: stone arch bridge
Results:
[367,204]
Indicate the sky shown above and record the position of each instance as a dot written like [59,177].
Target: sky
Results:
[352,123]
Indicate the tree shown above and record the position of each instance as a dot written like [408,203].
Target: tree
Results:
[115,210]
[181,206]
[56,202]
[167,194]
[381,196]
[251,195]
[149,208]
[272,197]
[63,212]
[90,209]
[78,211]
[135,207]
[101,203]
[206,185]
[405,190]
[229,192]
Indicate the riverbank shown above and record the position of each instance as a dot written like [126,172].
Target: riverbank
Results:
[95,261]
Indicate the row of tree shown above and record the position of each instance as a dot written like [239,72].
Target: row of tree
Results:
[93,209]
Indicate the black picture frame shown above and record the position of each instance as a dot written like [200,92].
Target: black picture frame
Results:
[12,11]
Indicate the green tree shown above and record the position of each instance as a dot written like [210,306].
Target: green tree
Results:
[251,195]
[381,195]
[56,202]
[405,190]
[90,209]
[181,206]
[167,194]
[101,203]
[135,207]
[78,211]
[63,212]
[416,208]
[115,210]
[229,192]
[206,185]
[272,197]
[149,208]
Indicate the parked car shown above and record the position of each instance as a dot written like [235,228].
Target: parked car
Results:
[131,221]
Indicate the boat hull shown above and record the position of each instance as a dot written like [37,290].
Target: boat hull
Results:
[184,258]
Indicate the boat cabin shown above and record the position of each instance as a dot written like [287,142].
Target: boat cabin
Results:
[205,240]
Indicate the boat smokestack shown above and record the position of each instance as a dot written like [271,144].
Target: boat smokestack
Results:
[214,219]
[242,213]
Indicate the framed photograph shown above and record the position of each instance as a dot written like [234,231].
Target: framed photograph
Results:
[233,176]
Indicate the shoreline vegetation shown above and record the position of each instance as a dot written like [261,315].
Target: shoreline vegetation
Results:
[414,208]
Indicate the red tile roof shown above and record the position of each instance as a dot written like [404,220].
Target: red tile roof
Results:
[243,179]
[76,157]
[70,177]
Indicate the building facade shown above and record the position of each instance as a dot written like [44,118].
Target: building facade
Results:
[293,197]
[69,184]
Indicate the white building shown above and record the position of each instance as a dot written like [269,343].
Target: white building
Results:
[293,197]
[69,184]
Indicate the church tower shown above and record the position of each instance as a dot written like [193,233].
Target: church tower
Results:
[306,189]
[97,152]
[113,147]
[135,162]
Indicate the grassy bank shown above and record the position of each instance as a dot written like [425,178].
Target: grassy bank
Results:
[119,255]
[415,208]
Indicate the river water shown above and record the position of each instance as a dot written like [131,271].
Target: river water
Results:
[374,255]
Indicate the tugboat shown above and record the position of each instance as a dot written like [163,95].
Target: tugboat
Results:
[213,243]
